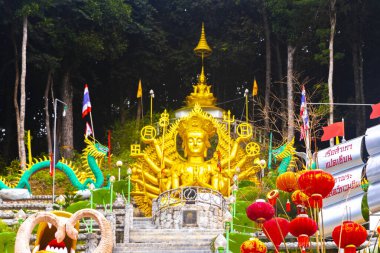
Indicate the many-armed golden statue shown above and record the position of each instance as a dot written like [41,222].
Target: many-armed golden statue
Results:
[195,150]
[161,167]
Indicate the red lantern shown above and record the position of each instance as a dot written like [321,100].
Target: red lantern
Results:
[253,245]
[260,211]
[272,197]
[303,227]
[287,181]
[317,184]
[349,235]
[301,200]
[276,230]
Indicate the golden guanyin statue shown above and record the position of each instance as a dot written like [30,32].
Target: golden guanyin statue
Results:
[184,155]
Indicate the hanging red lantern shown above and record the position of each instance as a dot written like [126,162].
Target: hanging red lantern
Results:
[276,230]
[253,245]
[349,235]
[272,197]
[287,181]
[303,227]
[260,211]
[317,184]
[300,198]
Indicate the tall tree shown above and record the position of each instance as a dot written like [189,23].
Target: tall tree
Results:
[292,22]
[268,65]
[24,11]
[357,62]
[331,61]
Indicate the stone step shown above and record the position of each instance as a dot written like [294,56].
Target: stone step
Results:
[201,236]
[143,222]
[163,247]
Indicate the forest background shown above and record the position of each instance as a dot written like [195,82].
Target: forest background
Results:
[111,44]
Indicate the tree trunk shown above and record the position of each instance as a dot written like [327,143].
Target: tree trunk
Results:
[359,89]
[47,114]
[357,64]
[67,134]
[331,62]
[290,98]
[282,95]
[361,114]
[21,133]
[268,70]
[15,93]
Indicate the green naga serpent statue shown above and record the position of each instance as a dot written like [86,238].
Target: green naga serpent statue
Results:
[92,158]
[286,154]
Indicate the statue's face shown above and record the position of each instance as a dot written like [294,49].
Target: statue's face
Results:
[195,143]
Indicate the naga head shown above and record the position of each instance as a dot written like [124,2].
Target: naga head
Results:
[95,149]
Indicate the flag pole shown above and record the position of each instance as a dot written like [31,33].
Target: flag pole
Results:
[55,142]
[92,126]
[344,132]
[308,149]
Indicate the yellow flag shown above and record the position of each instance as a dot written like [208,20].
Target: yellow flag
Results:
[336,140]
[139,90]
[255,88]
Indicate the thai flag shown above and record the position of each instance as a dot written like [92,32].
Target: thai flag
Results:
[86,108]
[88,131]
[304,114]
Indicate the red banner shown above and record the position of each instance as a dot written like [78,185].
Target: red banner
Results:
[335,129]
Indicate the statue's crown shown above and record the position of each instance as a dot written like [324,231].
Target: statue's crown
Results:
[196,120]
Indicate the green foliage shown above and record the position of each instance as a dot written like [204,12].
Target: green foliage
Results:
[128,133]
[236,240]
[364,207]
[102,197]
[72,208]
[13,169]
[323,55]
[121,187]
[4,227]
[70,199]
[7,242]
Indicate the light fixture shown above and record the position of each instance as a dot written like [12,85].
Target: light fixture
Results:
[64,110]
[220,243]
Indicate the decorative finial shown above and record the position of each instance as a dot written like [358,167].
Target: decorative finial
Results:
[202,49]
[202,77]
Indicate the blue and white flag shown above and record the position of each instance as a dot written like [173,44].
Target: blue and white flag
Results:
[88,131]
[86,108]
[304,114]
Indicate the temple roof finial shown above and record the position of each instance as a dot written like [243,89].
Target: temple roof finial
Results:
[202,49]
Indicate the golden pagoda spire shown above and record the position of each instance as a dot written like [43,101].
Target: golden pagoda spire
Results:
[202,49]
[202,93]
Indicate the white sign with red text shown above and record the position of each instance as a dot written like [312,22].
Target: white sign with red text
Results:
[347,185]
[341,157]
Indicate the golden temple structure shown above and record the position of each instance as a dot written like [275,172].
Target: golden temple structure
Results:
[196,150]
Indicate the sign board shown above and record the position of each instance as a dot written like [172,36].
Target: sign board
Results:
[341,157]
[347,184]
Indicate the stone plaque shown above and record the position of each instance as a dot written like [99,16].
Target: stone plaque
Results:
[189,218]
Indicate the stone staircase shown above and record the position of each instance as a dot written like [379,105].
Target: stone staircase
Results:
[143,234]
[144,237]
